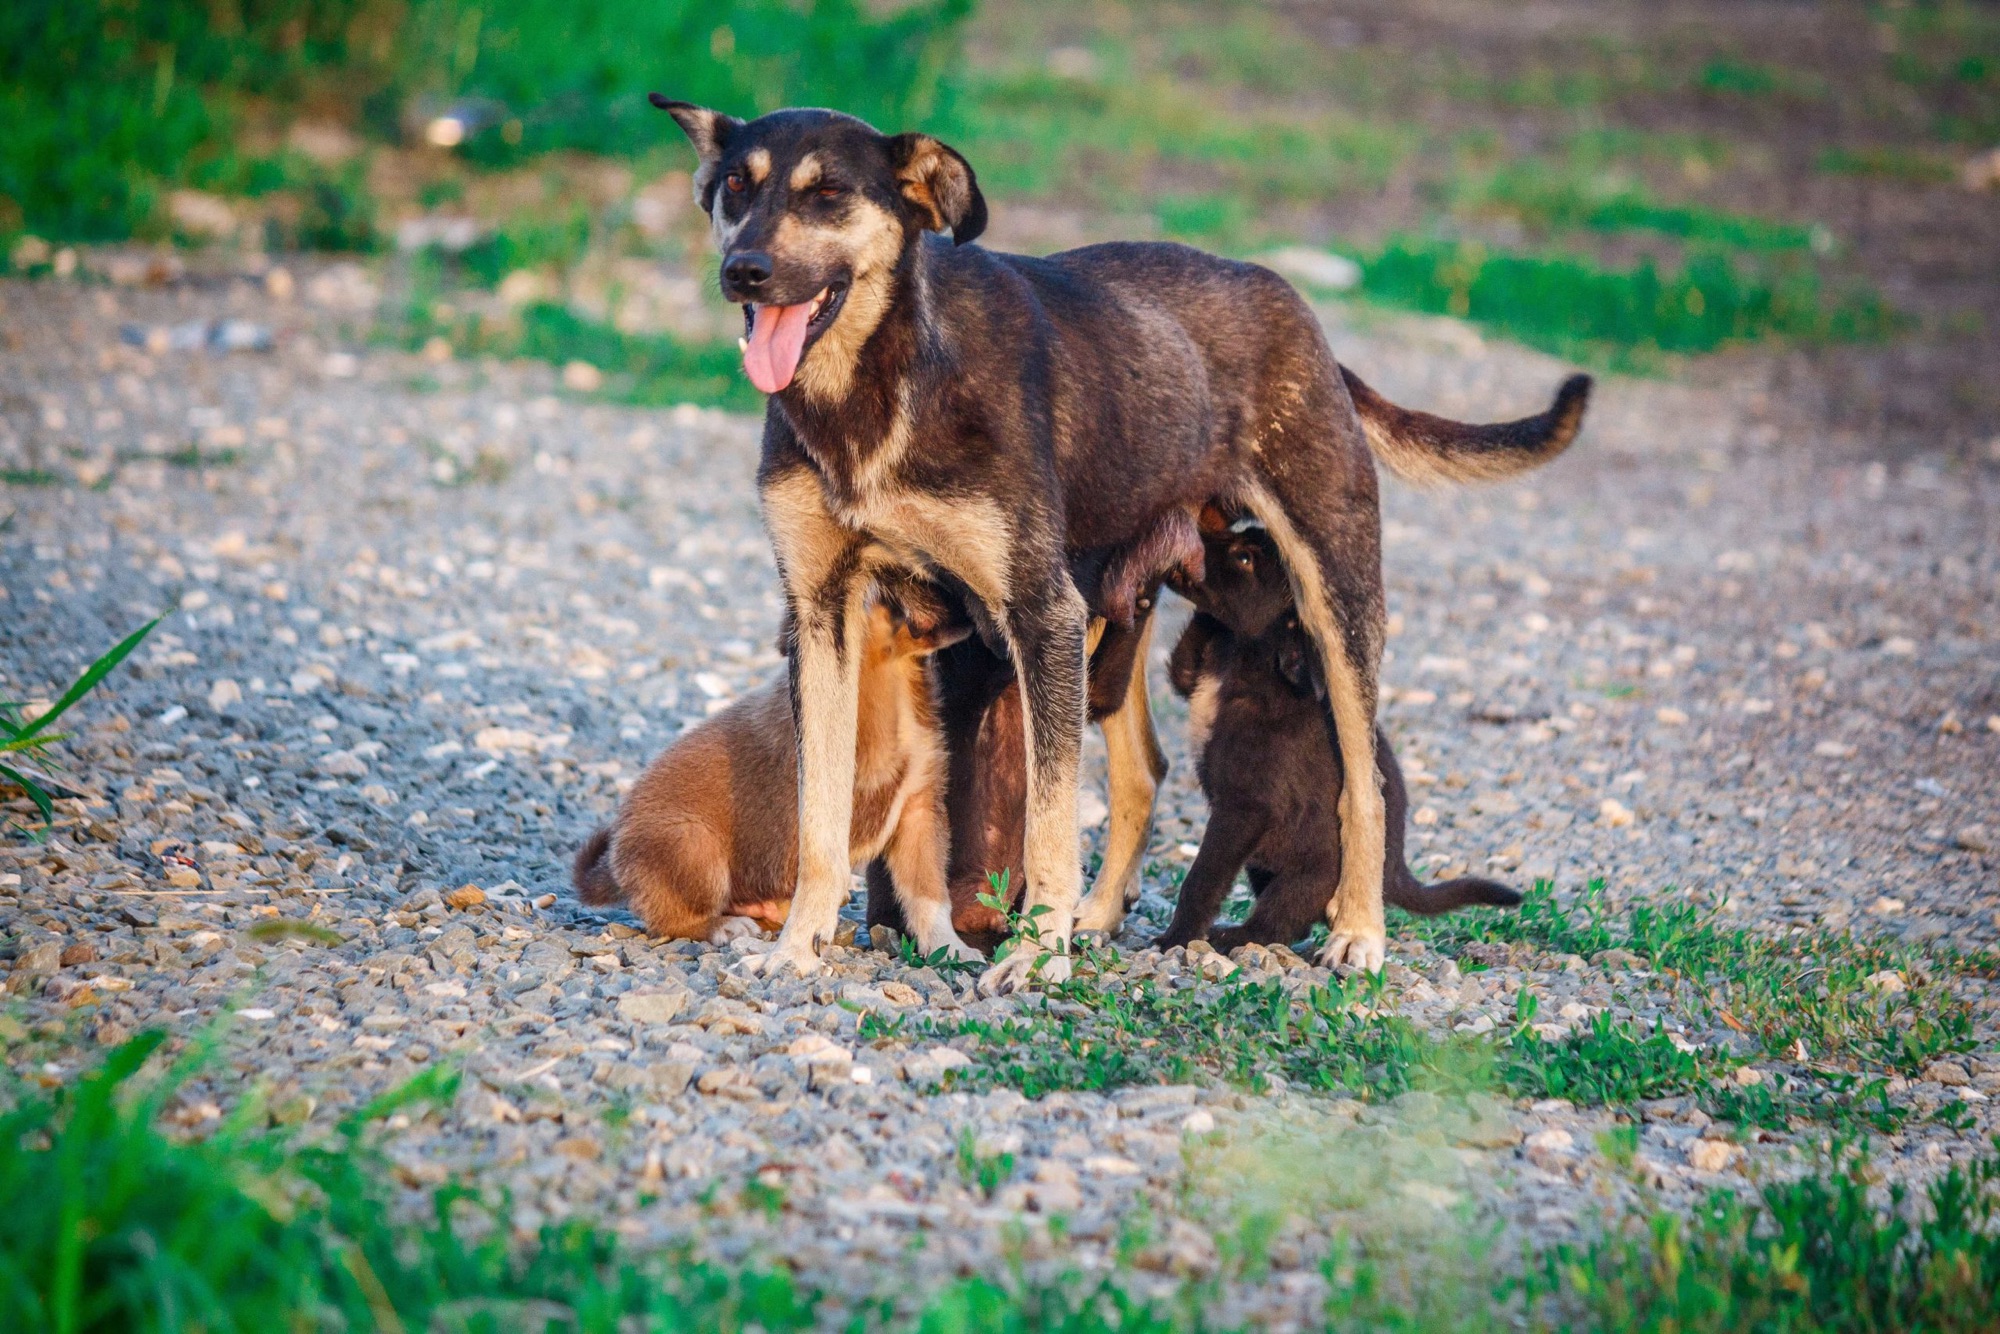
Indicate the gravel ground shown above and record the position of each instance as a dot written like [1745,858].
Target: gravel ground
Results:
[433,615]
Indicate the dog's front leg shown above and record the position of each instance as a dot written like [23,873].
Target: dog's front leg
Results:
[824,569]
[1046,629]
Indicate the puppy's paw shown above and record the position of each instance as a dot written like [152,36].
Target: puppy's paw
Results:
[776,962]
[727,929]
[1360,950]
[1027,966]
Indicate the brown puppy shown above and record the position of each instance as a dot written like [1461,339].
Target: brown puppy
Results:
[705,846]
[1270,764]
[979,709]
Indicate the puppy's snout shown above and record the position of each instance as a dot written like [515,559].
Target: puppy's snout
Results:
[746,272]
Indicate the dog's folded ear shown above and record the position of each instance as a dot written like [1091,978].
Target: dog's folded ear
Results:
[940,185]
[707,130]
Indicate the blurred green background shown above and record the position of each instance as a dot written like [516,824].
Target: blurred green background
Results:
[1623,184]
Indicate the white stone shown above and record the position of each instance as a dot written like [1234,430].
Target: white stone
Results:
[1711,1155]
[1318,268]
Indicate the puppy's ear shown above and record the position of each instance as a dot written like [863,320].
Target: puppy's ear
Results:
[939,185]
[708,131]
[917,643]
[1298,663]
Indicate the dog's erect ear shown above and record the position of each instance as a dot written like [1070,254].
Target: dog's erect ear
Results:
[939,185]
[707,130]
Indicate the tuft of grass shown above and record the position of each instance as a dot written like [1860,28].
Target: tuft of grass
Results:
[1843,999]
[1814,1255]
[651,370]
[1106,1030]
[1622,317]
[108,1224]
[983,1173]
[21,737]
[1608,1061]
[1552,198]
[1893,163]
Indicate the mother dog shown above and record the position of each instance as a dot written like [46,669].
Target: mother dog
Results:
[981,417]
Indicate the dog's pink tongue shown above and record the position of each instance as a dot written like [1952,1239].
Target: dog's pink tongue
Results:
[777,339]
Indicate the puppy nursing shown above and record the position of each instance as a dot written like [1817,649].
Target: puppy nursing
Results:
[705,846]
[1269,761]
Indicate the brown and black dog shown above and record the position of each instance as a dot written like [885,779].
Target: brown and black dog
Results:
[1270,764]
[983,418]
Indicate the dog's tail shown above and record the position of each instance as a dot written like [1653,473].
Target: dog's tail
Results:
[1421,448]
[1405,891]
[595,884]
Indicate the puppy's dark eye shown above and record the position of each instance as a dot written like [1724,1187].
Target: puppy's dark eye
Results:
[1247,559]
[734,183]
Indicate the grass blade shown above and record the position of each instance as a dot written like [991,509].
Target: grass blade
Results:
[83,685]
[34,791]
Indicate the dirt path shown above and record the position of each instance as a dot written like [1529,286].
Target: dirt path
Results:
[432,616]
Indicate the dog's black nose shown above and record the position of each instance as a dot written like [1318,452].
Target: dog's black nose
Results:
[747,270]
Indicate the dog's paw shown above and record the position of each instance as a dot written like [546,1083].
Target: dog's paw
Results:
[960,952]
[727,929]
[1102,913]
[1361,951]
[1027,966]
[775,962]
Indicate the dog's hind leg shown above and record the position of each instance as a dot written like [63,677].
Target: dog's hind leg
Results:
[1135,766]
[825,572]
[1324,514]
[1287,905]
[1045,630]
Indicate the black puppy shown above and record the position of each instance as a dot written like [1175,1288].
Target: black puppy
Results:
[1270,763]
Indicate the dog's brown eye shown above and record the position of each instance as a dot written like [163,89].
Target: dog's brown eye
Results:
[829,192]
[734,182]
[1247,559]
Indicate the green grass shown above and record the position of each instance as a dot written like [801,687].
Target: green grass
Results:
[108,1223]
[32,739]
[1778,991]
[1223,131]
[1888,163]
[1574,307]
[1815,1255]
[654,370]
[1113,1027]
[1553,197]
[110,105]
